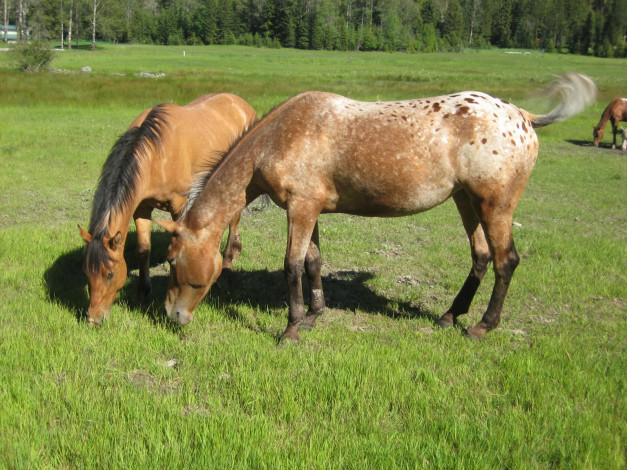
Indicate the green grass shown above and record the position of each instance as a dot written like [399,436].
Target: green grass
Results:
[375,385]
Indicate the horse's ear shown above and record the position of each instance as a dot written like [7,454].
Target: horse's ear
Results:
[115,242]
[85,235]
[169,225]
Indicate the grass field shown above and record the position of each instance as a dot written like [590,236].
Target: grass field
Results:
[375,385]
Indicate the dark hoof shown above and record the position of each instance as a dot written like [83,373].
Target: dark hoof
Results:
[289,336]
[143,293]
[475,332]
[442,323]
[308,323]
[446,321]
[285,340]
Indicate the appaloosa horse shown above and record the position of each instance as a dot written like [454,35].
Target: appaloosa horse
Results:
[615,112]
[151,166]
[320,153]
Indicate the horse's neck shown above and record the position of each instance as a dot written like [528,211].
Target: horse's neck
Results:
[120,222]
[607,114]
[226,193]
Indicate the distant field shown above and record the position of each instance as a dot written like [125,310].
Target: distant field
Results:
[375,385]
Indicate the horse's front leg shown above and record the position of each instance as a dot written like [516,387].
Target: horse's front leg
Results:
[302,218]
[233,244]
[143,224]
[313,265]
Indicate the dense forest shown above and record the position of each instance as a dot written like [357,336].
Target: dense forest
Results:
[596,27]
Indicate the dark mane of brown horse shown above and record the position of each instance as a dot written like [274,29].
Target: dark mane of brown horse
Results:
[118,180]
[211,167]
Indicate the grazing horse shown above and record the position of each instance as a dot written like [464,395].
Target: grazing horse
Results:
[323,153]
[151,166]
[615,112]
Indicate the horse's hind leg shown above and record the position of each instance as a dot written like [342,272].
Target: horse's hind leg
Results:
[143,224]
[481,257]
[614,131]
[313,265]
[233,244]
[496,219]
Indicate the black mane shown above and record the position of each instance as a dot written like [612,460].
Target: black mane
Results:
[118,180]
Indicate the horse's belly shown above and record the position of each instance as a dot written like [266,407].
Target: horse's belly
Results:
[391,192]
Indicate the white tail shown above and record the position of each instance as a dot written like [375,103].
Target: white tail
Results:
[576,91]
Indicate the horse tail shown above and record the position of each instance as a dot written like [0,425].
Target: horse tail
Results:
[576,92]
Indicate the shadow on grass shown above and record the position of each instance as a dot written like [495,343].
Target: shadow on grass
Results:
[66,283]
[602,145]
[344,290]
[263,290]
[584,143]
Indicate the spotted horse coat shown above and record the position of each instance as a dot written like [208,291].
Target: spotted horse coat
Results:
[320,153]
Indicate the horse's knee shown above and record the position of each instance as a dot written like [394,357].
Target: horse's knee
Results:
[506,266]
[313,260]
[293,270]
[480,263]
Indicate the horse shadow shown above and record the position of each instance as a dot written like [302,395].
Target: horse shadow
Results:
[602,145]
[583,143]
[66,284]
[263,290]
[343,290]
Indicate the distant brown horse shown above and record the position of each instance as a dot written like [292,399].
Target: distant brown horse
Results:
[151,166]
[320,153]
[615,112]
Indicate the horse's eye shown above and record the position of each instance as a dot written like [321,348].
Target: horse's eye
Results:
[196,286]
[109,275]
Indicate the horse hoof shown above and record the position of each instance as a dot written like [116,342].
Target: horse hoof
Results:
[288,340]
[308,323]
[442,323]
[446,321]
[474,333]
[144,294]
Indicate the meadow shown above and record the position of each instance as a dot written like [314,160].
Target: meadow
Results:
[375,385]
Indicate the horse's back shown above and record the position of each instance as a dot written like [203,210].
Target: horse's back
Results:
[394,158]
[195,137]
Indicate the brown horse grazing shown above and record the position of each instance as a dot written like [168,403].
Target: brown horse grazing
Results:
[151,166]
[320,153]
[615,112]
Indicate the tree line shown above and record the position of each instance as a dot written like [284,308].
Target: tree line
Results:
[597,27]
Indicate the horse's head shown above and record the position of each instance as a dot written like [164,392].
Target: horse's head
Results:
[195,264]
[105,269]
[597,133]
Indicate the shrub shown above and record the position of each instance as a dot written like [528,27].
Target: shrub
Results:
[33,56]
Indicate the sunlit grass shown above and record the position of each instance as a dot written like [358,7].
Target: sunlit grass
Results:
[375,385]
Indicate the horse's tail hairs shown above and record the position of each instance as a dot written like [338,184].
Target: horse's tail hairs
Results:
[576,92]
